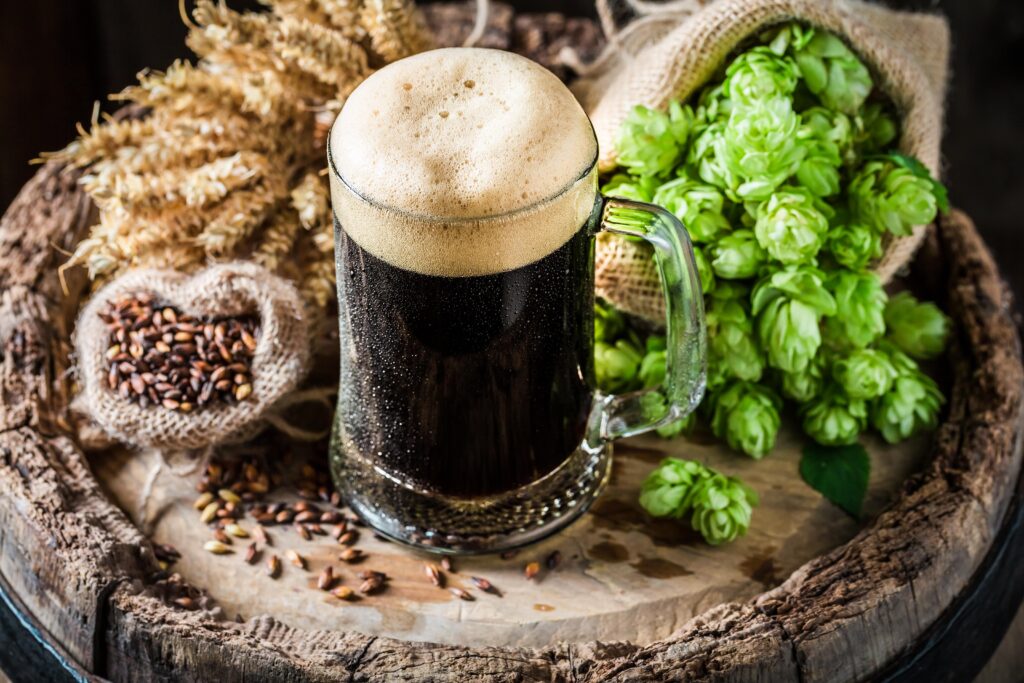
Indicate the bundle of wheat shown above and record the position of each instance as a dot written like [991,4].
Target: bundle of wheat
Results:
[228,160]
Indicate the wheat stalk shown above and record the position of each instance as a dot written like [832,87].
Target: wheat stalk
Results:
[227,162]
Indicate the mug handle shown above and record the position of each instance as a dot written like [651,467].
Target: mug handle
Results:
[686,361]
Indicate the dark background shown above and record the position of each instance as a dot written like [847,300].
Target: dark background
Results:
[57,57]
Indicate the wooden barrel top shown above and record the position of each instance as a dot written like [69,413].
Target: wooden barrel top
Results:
[806,596]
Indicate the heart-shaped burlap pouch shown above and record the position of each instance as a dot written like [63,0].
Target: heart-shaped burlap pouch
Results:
[271,363]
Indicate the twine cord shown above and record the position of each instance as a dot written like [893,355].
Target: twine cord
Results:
[275,417]
[165,460]
[483,9]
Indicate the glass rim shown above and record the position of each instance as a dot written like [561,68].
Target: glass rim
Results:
[533,206]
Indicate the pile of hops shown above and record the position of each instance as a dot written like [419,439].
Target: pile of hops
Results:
[229,160]
[783,170]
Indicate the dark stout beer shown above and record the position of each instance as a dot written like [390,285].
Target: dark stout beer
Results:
[463,184]
[467,386]
[464,191]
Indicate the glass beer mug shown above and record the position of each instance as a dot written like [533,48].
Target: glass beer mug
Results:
[464,192]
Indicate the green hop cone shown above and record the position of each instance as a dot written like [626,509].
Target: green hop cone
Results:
[834,419]
[652,369]
[737,256]
[697,205]
[655,407]
[803,385]
[669,490]
[865,373]
[704,160]
[732,349]
[890,197]
[652,142]
[759,74]
[608,322]
[616,366]
[874,129]
[759,148]
[704,270]
[791,226]
[712,105]
[834,73]
[637,188]
[788,305]
[746,415]
[652,374]
[787,38]
[832,127]
[912,403]
[722,508]
[826,136]
[853,246]
[918,329]
[860,307]
[819,171]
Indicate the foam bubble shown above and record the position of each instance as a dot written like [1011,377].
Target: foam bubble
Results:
[473,161]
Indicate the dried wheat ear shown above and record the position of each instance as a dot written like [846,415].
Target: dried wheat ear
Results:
[228,161]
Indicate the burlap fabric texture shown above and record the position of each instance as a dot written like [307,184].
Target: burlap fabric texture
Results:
[280,362]
[671,51]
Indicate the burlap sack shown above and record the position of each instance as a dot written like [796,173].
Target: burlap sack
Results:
[671,53]
[280,362]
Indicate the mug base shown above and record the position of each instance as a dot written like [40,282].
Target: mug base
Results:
[459,526]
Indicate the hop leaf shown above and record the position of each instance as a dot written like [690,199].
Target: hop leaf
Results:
[616,366]
[697,205]
[704,270]
[637,188]
[865,373]
[651,142]
[833,73]
[789,305]
[721,506]
[758,148]
[889,197]
[918,329]
[791,226]
[911,404]
[860,307]
[746,415]
[853,245]
[840,473]
[834,419]
[737,256]
[759,74]
[803,385]
[732,349]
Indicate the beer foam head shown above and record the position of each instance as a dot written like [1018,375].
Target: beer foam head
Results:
[462,161]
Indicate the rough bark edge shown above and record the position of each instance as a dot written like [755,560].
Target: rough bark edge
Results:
[841,617]
[63,546]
